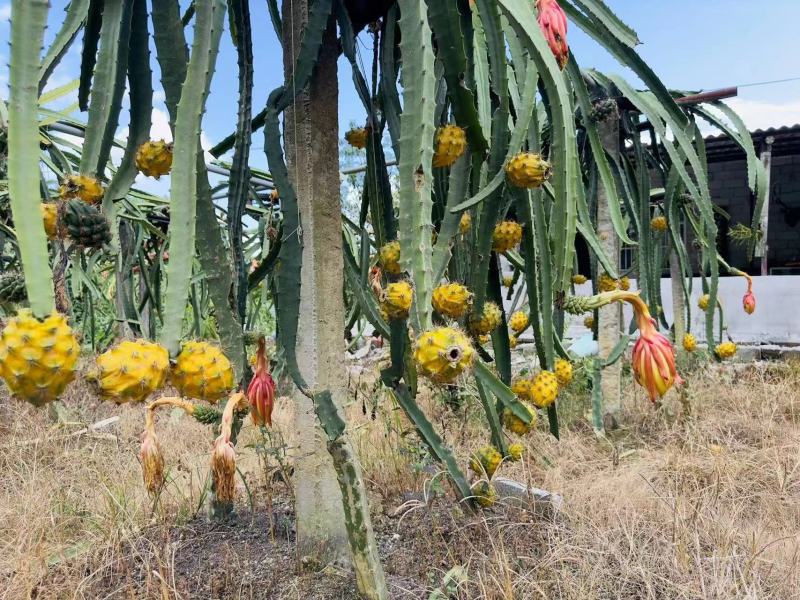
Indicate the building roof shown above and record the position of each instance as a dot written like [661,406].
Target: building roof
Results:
[721,148]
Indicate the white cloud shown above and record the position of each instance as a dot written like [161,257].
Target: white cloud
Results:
[5,12]
[763,115]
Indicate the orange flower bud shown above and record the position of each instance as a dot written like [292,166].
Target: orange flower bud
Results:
[261,391]
[553,22]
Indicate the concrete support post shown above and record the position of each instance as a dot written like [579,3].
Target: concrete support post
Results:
[311,132]
[678,301]
[610,317]
[762,247]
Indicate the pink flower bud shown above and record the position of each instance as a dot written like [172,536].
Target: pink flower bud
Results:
[749,302]
[553,22]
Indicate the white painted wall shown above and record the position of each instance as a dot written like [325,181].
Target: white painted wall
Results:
[775,321]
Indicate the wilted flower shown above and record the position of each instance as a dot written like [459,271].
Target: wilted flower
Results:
[223,468]
[151,457]
[223,455]
[261,391]
[553,22]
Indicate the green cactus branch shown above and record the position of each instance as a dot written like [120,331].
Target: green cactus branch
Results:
[184,189]
[416,156]
[77,12]
[108,87]
[238,185]
[27,36]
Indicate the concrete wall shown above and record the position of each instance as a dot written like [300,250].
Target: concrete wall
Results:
[776,320]
[728,185]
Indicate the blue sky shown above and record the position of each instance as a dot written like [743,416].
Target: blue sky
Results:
[699,44]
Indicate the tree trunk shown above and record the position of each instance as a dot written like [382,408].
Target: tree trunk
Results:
[312,152]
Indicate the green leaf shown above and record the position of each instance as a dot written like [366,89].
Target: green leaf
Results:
[598,151]
[428,434]
[521,127]
[59,92]
[108,86]
[445,21]
[563,149]
[501,391]
[91,39]
[627,57]
[77,11]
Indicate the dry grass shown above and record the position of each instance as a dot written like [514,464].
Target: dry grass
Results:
[670,506]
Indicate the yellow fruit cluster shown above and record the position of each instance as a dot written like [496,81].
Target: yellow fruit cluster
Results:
[725,350]
[516,425]
[487,321]
[38,356]
[579,279]
[396,299]
[563,371]
[50,219]
[485,461]
[451,300]
[485,494]
[518,321]
[465,224]
[84,187]
[515,451]
[527,170]
[689,342]
[357,137]
[389,257]
[154,159]
[132,370]
[442,354]
[507,235]
[450,144]
[702,302]
[545,389]
[658,223]
[607,283]
[202,371]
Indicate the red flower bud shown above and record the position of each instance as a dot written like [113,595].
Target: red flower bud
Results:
[553,22]
[261,391]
